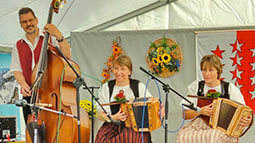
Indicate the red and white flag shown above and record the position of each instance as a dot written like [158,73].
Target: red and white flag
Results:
[236,49]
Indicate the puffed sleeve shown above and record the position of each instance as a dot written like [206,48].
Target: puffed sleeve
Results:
[103,97]
[235,94]
[143,91]
[192,90]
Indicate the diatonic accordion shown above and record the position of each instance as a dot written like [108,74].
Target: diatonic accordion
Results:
[135,108]
[227,115]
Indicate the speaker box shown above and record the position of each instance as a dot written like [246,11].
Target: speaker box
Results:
[8,127]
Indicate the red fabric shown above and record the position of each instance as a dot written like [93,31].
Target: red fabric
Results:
[202,103]
[110,133]
[25,56]
[8,137]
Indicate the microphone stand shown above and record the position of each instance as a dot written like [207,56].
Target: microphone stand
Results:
[166,89]
[77,83]
[33,88]
[92,116]
[23,103]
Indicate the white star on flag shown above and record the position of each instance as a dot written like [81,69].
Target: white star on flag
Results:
[238,74]
[252,94]
[252,80]
[253,66]
[238,59]
[238,46]
[253,52]
[237,84]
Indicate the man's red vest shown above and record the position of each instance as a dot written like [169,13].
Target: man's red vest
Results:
[25,56]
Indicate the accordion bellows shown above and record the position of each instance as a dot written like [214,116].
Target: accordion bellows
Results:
[227,115]
[139,108]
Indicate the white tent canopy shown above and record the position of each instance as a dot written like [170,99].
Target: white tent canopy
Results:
[95,15]
[74,15]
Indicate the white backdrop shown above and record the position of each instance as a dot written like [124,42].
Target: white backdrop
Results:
[91,50]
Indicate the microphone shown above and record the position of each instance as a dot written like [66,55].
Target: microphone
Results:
[111,121]
[191,106]
[115,122]
[44,105]
[21,102]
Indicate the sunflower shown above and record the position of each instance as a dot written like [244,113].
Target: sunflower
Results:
[116,52]
[166,58]
[105,70]
[105,74]
[160,49]
[155,61]
[162,64]
[116,49]
[109,64]
[164,69]
[159,59]
[115,43]
[110,59]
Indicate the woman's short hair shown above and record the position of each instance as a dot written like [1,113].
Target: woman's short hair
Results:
[214,61]
[124,60]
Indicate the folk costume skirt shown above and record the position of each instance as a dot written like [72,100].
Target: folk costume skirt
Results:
[197,131]
[111,133]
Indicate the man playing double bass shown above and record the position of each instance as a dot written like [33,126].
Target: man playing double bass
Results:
[26,52]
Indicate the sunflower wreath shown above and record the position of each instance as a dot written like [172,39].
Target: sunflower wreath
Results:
[116,52]
[164,57]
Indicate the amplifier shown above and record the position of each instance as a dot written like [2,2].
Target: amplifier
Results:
[8,128]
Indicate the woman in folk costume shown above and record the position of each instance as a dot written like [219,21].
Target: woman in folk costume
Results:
[130,88]
[198,130]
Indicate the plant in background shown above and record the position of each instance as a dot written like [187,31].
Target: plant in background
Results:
[213,93]
[162,57]
[87,105]
[116,51]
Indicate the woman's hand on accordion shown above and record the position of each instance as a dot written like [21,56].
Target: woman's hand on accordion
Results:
[207,110]
[161,112]
[245,121]
[120,116]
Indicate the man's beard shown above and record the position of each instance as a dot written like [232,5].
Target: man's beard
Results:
[32,32]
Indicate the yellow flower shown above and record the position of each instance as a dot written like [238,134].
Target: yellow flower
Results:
[109,64]
[159,58]
[164,69]
[159,49]
[162,65]
[166,58]
[105,74]
[115,43]
[155,61]
[116,49]
[87,105]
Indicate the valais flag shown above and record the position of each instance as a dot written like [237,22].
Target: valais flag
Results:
[236,49]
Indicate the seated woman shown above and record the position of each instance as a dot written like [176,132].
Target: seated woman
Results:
[130,88]
[198,130]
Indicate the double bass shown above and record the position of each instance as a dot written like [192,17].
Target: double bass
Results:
[52,84]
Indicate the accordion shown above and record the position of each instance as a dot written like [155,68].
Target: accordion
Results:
[135,109]
[226,116]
